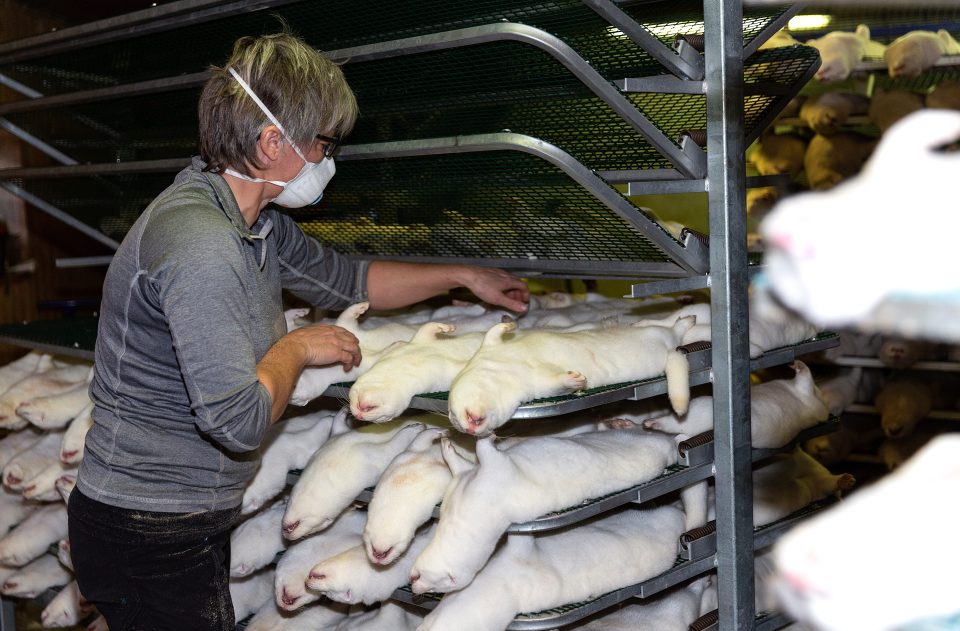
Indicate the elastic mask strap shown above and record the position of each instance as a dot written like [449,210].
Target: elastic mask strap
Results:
[273,119]
[254,179]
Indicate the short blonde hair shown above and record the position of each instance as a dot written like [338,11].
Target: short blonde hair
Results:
[304,90]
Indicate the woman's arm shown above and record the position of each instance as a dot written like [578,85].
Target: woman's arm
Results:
[392,284]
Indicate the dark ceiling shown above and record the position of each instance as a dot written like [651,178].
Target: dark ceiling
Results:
[73,12]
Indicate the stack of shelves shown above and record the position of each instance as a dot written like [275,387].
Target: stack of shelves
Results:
[493,131]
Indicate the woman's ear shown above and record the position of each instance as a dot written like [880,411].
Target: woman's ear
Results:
[270,143]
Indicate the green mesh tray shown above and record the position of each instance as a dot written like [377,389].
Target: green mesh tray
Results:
[68,336]
[471,90]
[499,205]
[151,127]
[108,203]
[494,205]
[337,24]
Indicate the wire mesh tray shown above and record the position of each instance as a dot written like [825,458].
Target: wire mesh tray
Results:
[696,457]
[767,621]
[698,356]
[682,570]
[829,426]
[673,478]
[340,24]
[73,337]
[705,540]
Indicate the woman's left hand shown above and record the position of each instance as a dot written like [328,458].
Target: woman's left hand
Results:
[499,288]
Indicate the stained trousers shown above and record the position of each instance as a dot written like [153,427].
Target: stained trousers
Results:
[153,571]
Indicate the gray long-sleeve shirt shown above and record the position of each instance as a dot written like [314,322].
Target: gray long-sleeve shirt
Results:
[191,304]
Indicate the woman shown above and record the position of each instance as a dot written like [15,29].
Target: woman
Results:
[193,361]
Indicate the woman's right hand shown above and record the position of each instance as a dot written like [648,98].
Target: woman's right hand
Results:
[325,344]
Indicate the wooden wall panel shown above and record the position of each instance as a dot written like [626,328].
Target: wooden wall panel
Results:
[36,235]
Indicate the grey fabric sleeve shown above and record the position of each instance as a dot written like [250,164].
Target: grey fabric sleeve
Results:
[319,275]
[198,279]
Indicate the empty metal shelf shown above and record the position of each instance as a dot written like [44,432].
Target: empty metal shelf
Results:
[73,337]
[340,24]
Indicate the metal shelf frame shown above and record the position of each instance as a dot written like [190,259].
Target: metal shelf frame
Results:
[690,257]
[696,557]
[726,173]
[689,159]
[695,465]
[698,356]
[723,267]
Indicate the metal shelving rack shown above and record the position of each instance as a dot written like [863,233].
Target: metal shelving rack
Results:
[605,99]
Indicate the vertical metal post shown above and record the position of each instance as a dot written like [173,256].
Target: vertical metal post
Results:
[726,186]
[7,621]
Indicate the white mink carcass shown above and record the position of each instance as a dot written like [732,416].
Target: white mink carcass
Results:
[505,373]
[349,577]
[31,461]
[945,96]
[312,617]
[405,496]
[902,404]
[71,449]
[42,487]
[771,326]
[777,154]
[790,482]
[250,593]
[535,573]
[35,578]
[525,481]
[673,611]
[288,445]
[340,470]
[53,381]
[31,538]
[13,509]
[16,370]
[895,451]
[840,391]
[427,363]
[314,380]
[808,266]
[830,574]
[66,609]
[841,51]
[856,434]
[294,566]
[900,353]
[779,410]
[255,542]
[918,51]
[780,39]
[54,411]
[390,616]
[16,442]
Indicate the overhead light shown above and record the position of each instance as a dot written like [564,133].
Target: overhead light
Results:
[808,22]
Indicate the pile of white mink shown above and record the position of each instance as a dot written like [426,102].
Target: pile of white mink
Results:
[339,560]
[45,410]
[333,550]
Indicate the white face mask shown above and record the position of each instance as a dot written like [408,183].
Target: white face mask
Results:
[306,188]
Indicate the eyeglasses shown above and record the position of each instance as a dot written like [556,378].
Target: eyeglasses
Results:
[333,143]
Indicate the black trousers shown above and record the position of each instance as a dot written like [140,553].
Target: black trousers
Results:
[152,571]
